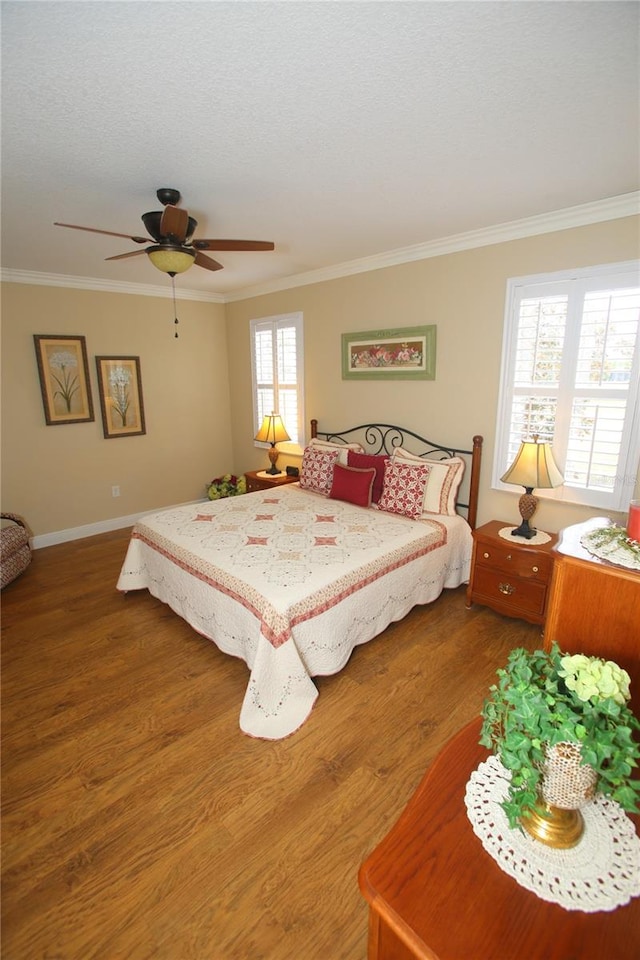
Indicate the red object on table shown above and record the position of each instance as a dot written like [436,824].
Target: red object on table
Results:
[435,893]
[633,523]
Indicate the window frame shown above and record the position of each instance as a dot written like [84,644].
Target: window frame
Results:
[276,322]
[573,283]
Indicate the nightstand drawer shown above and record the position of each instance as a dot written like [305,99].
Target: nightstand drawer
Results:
[253,484]
[514,562]
[509,593]
[257,480]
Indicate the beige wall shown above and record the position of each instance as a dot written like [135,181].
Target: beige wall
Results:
[197,389]
[464,295]
[60,477]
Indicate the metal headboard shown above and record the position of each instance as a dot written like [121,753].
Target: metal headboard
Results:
[383,438]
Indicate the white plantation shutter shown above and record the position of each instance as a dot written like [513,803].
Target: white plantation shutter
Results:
[277,373]
[571,375]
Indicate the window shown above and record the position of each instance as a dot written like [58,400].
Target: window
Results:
[277,373]
[571,375]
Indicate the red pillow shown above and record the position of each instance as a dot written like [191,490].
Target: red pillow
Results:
[352,485]
[366,461]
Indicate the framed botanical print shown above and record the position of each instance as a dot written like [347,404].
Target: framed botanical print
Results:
[120,387]
[64,378]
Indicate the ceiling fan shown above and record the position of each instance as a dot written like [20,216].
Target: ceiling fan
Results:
[175,248]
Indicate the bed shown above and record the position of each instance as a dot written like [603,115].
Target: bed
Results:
[293,578]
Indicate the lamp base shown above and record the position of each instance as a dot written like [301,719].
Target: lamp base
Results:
[273,457]
[525,531]
[527,506]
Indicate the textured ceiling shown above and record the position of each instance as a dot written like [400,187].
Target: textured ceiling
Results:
[338,130]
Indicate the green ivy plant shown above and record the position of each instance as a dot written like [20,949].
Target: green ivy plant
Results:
[543,698]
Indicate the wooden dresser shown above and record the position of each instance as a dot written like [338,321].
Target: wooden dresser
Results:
[434,893]
[594,606]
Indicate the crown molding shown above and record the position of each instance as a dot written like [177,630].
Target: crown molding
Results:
[105,286]
[613,208]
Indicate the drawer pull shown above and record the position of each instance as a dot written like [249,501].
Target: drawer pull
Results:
[506,588]
[535,569]
[486,555]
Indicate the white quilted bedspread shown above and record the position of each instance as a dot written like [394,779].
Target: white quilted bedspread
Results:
[291,582]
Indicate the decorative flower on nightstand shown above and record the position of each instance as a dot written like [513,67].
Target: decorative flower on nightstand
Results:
[227,486]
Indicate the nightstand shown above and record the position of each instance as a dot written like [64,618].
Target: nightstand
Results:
[510,576]
[259,480]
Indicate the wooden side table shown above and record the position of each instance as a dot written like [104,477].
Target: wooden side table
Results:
[594,605]
[258,480]
[510,576]
[435,893]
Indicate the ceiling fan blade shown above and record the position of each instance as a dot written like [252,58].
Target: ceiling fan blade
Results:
[233,245]
[123,256]
[174,223]
[107,233]
[207,262]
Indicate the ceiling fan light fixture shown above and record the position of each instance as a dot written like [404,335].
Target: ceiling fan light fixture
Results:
[170,259]
[171,231]
[153,221]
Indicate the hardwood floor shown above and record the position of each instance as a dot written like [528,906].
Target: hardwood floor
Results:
[139,822]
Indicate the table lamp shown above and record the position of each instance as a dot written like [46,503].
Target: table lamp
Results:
[533,466]
[272,431]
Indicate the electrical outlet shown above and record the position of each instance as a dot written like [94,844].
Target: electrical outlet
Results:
[115,491]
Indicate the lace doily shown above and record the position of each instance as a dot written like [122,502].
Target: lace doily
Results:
[612,544]
[601,873]
[540,537]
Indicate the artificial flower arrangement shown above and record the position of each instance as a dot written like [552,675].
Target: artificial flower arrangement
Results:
[613,543]
[227,486]
[544,698]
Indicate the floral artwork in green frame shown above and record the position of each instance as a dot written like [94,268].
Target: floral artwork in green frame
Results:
[405,353]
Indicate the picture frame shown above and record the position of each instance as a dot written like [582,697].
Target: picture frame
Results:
[120,388]
[404,353]
[63,370]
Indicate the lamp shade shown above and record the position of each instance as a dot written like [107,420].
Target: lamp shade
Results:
[171,259]
[534,467]
[272,430]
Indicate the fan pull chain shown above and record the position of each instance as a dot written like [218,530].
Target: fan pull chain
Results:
[175,309]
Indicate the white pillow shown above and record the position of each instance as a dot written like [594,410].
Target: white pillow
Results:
[342,448]
[445,477]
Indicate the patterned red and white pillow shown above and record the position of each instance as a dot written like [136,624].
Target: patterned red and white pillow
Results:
[316,471]
[404,486]
[441,492]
